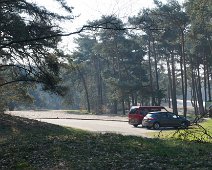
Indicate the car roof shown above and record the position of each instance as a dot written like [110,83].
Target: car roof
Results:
[155,112]
[160,107]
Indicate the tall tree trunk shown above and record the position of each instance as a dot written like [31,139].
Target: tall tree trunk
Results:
[199,93]
[123,106]
[156,70]
[128,102]
[205,79]
[133,99]
[136,99]
[184,88]
[98,85]
[115,107]
[182,76]
[170,82]
[174,98]
[208,80]
[150,72]
[86,89]
[194,90]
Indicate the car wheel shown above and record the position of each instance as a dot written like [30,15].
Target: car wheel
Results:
[135,125]
[184,125]
[156,126]
[148,127]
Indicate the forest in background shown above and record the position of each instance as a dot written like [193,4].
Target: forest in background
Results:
[161,54]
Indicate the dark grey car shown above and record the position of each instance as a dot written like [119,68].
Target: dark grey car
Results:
[156,120]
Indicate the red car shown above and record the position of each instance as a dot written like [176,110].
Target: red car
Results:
[137,113]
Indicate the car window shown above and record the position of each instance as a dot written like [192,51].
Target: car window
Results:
[171,115]
[133,111]
[175,116]
[144,111]
[163,115]
[152,115]
[149,115]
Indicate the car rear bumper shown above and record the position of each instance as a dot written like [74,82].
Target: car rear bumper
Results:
[147,123]
[134,122]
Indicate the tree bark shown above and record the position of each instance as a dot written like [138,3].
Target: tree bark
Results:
[199,93]
[98,85]
[115,107]
[170,89]
[208,80]
[184,88]
[150,72]
[174,98]
[156,70]
[194,90]
[205,79]
[123,107]
[86,89]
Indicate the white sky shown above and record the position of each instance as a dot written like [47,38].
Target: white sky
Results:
[94,9]
[89,10]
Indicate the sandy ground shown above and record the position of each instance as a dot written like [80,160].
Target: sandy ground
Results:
[62,114]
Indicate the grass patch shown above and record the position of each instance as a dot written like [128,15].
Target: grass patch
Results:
[201,132]
[30,144]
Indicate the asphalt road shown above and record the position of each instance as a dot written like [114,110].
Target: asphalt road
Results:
[94,123]
[101,126]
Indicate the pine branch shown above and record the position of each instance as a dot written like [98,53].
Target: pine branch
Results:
[85,27]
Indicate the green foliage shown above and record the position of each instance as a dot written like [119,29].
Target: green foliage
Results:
[14,95]
[110,62]
[26,54]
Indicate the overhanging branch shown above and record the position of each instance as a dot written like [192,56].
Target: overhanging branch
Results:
[20,80]
[85,27]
